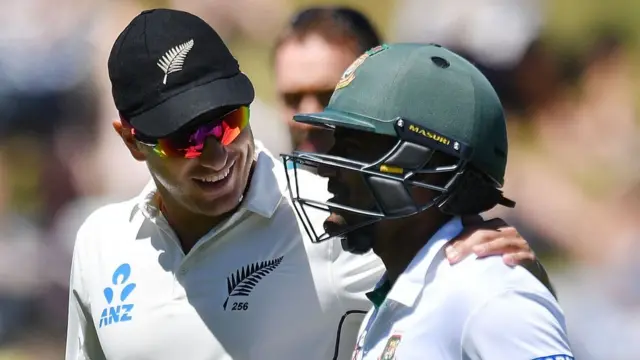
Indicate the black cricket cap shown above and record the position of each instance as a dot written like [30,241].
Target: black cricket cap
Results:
[168,67]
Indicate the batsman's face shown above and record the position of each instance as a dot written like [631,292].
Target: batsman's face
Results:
[307,70]
[348,187]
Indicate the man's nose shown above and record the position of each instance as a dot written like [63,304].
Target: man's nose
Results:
[310,104]
[214,155]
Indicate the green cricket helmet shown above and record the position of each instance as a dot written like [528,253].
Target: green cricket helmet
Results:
[431,100]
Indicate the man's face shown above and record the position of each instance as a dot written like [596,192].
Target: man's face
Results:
[348,187]
[211,184]
[307,71]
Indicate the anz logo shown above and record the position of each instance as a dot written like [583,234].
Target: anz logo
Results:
[117,309]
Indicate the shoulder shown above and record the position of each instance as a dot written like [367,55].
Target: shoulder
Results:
[98,237]
[104,222]
[110,215]
[477,282]
[492,273]
[498,304]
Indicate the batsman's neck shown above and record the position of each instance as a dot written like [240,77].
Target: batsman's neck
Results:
[398,243]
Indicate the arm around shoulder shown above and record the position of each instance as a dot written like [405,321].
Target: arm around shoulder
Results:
[516,325]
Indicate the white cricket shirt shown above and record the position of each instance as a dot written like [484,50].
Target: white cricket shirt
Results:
[253,288]
[477,309]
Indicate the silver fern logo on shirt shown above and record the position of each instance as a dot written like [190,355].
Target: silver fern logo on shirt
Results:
[245,279]
[173,60]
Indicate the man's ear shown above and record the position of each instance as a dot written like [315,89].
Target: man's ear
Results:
[126,134]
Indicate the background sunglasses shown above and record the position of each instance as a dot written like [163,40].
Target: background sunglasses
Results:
[190,144]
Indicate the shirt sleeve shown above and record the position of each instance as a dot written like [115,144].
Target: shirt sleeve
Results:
[516,325]
[538,271]
[82,339]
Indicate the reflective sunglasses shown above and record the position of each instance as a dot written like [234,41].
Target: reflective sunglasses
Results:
[190,144]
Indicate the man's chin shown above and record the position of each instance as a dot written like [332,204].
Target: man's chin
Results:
[220,205]
[221,212]
[357,242]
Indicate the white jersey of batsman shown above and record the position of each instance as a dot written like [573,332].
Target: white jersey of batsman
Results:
[253,288]
[477,309]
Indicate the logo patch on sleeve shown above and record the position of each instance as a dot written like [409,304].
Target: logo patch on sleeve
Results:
[555,357]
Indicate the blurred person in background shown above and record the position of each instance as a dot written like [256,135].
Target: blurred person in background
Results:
[46,99]
[212,234]
[309,57]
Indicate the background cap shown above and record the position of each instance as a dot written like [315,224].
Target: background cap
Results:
[429,86]
[168,67]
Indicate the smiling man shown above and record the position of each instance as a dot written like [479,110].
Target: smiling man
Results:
[420,141]
[209,262]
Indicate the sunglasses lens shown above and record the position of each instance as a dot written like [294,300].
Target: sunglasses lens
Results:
[173,147]
[233,124]
[189,146]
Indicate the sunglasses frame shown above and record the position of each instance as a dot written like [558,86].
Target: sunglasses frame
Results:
[155,143]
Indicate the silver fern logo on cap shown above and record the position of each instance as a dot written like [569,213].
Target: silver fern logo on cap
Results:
[173,59]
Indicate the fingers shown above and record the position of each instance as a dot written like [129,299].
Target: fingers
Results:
[519,258]
[504,244]
[504,241]
[453,255]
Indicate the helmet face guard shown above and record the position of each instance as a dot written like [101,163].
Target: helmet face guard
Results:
[389,179]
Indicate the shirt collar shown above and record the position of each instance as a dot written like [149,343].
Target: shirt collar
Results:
[266,189]
[379,292]
[268,185]
[410,283]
